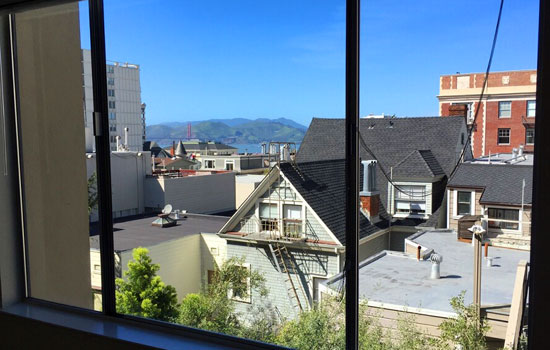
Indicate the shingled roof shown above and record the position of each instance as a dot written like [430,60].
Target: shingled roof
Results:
[418,164]
[390,139]
[322,186]
[502,184]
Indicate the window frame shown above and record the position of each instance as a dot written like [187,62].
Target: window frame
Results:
[541,198]
[509,136]
[528,109]
[500,110]
[458,202]
[527,136]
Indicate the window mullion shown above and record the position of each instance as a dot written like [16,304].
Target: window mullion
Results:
[101,127]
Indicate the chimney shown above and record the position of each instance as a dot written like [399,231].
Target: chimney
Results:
[173,149]
[370,196]
[458,110]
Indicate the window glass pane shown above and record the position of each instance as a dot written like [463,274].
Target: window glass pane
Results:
[59,191]
[504,109]
[464,197]
[531,108]
[223,93]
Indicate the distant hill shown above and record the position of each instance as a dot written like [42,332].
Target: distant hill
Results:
[236,130]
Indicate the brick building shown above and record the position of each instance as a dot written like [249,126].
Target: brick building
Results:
[506,117]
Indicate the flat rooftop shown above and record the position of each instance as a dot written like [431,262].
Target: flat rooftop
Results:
[249,178]
[133,233]
[399,279]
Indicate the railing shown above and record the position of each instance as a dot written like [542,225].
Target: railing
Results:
[277,229]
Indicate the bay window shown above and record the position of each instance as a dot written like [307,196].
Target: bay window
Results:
[410,199]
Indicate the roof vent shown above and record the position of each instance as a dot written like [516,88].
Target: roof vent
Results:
[436,260]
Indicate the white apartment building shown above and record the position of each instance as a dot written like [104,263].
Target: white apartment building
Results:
[124,102]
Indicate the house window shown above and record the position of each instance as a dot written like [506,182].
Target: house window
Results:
[410,199]
[531,108]
[111,92]
[463,203]
[530,136]
[209,164]
[229,164]
[112,104]
[504,109]
[503,136]
[269,215]
[292,220]
[111,81]
[507,219]
[242,294]
[112,115]
[110,69]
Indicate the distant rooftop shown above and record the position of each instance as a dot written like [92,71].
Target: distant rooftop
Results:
[250,178]
[506,158]
[133,233]
[398,279]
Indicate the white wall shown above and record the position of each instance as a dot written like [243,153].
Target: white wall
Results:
[180,263]
[128,172]
[201,194]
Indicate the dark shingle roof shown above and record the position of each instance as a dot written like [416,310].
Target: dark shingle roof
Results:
[322,185]
[502,184]
[390,139]
[132,233]
[418,164]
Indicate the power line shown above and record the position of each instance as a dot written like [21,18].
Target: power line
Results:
[482,91]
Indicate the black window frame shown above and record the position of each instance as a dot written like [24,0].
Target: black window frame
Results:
[539,315]
[499,136]
[528,137]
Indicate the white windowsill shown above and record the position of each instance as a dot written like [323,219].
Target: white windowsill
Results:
[123,329]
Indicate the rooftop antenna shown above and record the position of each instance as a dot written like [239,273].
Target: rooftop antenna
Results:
[126,138]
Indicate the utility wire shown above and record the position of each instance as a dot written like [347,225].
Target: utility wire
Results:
[467,143]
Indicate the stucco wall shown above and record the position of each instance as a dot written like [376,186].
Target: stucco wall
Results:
[205,194]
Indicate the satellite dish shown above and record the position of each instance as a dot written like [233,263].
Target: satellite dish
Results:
[167,209]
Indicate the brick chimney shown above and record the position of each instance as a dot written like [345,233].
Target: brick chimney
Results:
[369,195]
[458,110]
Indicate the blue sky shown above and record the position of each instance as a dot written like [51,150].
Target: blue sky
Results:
[285,58]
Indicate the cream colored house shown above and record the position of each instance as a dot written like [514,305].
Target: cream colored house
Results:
[183,251]
[501,194]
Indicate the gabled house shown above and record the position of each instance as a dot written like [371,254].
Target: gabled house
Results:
[292,226]
[292,230]
[500,195]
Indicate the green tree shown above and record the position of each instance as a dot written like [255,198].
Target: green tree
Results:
[467,330]
[92,193]
[214,307]
[144,294]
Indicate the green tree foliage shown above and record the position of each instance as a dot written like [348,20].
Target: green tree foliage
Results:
[214,308]
[92,193]
[144,294]
[464,330]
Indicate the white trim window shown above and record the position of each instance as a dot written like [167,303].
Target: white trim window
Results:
[503,218]
[531,108]
[503,136]
[229,164]
[292,220]
[240,297]
[209,163]
[410,200]
[269,217]
[505,109]
[463,202]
